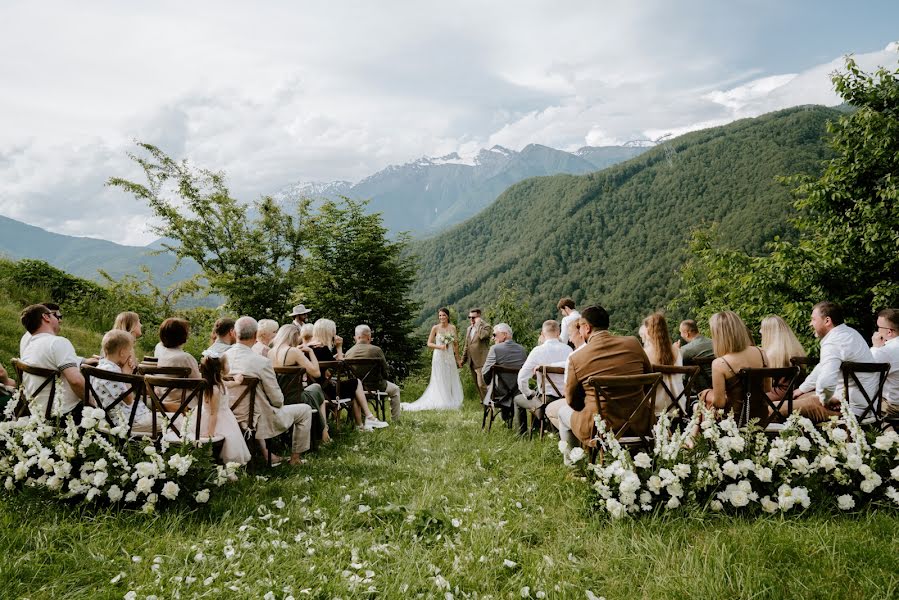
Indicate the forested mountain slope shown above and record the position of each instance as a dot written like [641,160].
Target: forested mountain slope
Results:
[618,237]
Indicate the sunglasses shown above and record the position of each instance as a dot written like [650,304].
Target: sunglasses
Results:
[56,314]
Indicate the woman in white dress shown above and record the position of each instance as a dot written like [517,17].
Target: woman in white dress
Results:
[660,351]
[444,391]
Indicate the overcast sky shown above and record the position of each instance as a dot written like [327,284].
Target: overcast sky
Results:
[278,92]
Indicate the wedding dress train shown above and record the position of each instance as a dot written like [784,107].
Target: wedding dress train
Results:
[444,391]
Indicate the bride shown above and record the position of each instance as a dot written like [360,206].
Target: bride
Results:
[444,390]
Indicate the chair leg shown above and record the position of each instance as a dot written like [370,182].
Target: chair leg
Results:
[484,419]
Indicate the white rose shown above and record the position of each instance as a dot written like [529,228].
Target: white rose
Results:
[170,490]
[202,497]
[769,505]
[114,493]
[838,435]
[764,474]
[803,444]
[144,485]
[845,502]
[828,463]
[730,469]
[576,454]
[682,470]
[642,461]
[672,503]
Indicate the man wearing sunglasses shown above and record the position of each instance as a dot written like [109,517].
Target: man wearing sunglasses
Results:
[885,348]
[477,344]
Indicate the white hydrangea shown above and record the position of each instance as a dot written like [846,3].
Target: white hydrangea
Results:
[845,502]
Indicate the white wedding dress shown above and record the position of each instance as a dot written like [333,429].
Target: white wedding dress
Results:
[444,391]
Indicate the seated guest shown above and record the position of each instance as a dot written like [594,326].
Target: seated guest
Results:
[818,397]
[780,345]
[54,308]
[306,334]
[502,388]
[551,352]
[575,338]
[267,330]
[569,315]
[218,420]
[7,388]
[735,351]
[366,350]
[603,354]
[173,334]
[328,346]
[130,322]
[5,379]
[694,345]
[660,351]
[286,353]
[46,349]
[273,416]
[224,338]
[885,348]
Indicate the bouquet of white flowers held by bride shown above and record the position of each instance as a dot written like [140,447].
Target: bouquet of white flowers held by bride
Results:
[447,339]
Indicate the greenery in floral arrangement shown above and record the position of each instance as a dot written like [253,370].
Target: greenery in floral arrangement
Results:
[726,468]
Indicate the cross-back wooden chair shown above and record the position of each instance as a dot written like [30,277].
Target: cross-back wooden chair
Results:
[680,401]
[134,387]
[47,381]
[242,400]
[805,364]
[758,405]
[365,370]
[150,360]
[155,370]
[873,401]
[338,372]
[162,390]
[491,409]
[549,392]
[636,431]
[291,382]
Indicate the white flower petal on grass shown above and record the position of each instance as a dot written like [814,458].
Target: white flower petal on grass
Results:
[117,578]
[132,595]
[364,508]
[509,564]
[526,592]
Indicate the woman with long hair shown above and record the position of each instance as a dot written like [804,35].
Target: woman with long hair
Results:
[661,351]
[780,345]
[217,416]
[130,322]
[286,351]
[444,391]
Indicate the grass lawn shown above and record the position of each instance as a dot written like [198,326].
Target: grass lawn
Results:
[428,508]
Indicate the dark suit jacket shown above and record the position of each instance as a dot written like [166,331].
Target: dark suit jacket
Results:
[376,380]
[507,354]
[604,354]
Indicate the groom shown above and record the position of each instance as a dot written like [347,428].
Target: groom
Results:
[477,344]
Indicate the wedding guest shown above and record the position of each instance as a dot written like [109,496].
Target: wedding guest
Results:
[298,314]
[118,357]
[27,336]
[818,397]
[661,351]
[551,352]
[603,354]
[328,346]
[130,322]
[286,352]
[477,344]
[735,351]
[173,334]
[274,417]
[577,339]
[364,349]
[217,419]
[267,330]
[306,333]
[503,387]
[5,379]
[569,315]
[46,349]
[695,345]
[780,345]
[885,348]
[223,330]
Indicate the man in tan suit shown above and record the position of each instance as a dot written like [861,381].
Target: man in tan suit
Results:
[477,344]
[603,354]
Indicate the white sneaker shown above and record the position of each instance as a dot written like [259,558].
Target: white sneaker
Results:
[374,423]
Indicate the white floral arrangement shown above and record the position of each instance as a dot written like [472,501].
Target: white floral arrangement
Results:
[447,338]
[91,462]
[725,468]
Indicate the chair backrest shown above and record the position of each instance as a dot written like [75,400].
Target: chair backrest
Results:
[47,381]
[150,359]
[757,404]
[497,393]
[159,391]
[623,391]
[337,368]
[243,402]
[365,370]
[873,401]
[290,380]
[689,374]
[805,364]
[549,384]
[146,369]
[132,385]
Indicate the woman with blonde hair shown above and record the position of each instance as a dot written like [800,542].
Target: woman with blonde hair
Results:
[130,322]
[264,335]
[661,351]
[780,345]
[328,346]
[306,333]
[287,351]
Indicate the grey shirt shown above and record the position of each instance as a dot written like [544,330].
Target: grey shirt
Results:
[699,347]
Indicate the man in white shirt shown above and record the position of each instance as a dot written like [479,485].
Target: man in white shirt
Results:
[569,315]
[26,337]
[224,336]
[47,350]
[273,416]
[551,351]
[575,334]
[818,398]
[885,348]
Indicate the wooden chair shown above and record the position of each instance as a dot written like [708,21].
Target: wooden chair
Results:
[338,374]
[805,364]
[148,369]
[159,390]
[705,366]
[689,373]
[291,382]
[244,405]
[134,386]
[872,411]
[636,432]
[757,404]
[150,360]
[48,382]
[545,397]
[490,407]
[365,370]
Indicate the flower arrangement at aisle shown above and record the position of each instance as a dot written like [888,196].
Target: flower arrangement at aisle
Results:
[726,468]
[91,462]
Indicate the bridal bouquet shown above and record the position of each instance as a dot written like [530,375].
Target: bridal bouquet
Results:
[448,339]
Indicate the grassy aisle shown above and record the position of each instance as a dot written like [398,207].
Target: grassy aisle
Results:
[428,508]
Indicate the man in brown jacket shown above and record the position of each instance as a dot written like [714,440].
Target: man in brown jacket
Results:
[477,344]
[603,354]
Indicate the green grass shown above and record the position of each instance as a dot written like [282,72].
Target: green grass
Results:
[513,501]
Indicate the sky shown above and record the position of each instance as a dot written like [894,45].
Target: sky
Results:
[278,92]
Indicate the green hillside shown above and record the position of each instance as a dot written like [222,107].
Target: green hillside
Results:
[618,236]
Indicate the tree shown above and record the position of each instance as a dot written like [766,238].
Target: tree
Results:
[510,308]
[847,221]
